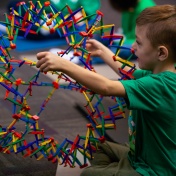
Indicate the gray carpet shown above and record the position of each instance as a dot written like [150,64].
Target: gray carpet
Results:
[63,117]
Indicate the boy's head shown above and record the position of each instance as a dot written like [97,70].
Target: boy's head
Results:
[160,22]
[123,5]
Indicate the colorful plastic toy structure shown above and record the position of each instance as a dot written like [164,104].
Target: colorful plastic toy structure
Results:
[34,18]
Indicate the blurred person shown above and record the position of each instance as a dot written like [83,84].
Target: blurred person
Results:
[129,10]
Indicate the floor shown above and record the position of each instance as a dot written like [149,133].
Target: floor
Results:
[120,134]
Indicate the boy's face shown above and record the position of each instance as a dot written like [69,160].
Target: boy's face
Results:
[146,53]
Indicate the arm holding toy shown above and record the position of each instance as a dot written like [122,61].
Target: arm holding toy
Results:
[98,49]
[95,82]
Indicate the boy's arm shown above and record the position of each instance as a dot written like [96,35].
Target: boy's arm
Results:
[95,82]
[98,49]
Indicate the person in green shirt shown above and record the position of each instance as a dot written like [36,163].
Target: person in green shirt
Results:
[129,11]
[151,97]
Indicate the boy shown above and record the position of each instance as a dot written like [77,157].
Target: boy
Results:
[151,97]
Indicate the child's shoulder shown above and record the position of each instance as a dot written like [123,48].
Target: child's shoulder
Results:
[142,73]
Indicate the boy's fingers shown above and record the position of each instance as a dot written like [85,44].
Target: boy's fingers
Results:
[41,55]
[90,41]
[39,63]
[43,67]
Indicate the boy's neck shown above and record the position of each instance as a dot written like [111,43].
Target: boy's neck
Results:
[165,66]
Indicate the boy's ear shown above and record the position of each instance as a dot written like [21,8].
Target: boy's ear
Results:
[162,53]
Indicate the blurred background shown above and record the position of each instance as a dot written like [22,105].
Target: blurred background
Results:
[64,116]
[110,15]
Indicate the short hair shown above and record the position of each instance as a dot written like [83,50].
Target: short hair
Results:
[161,26]
[123,5]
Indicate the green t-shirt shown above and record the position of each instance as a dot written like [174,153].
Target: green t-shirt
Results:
[152,124]
[128,20]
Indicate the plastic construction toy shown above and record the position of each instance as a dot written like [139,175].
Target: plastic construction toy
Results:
[33,18]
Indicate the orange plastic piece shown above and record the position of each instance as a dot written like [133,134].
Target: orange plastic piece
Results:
[18,81]
[35,117]
[84,34]
[11,38]
[52,31]
[55,85]
[16,116]
[100,13]
[12,46]
[47,3]
[48,23]
[102,139]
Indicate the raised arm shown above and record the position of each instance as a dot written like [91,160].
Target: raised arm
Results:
[95,82]
[98,49]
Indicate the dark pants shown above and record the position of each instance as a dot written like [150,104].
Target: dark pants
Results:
[110,160]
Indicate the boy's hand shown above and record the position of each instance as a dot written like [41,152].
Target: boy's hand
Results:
[48,62]
[95,47]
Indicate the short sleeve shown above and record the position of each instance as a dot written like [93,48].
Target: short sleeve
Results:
[141,73]
[143,93]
